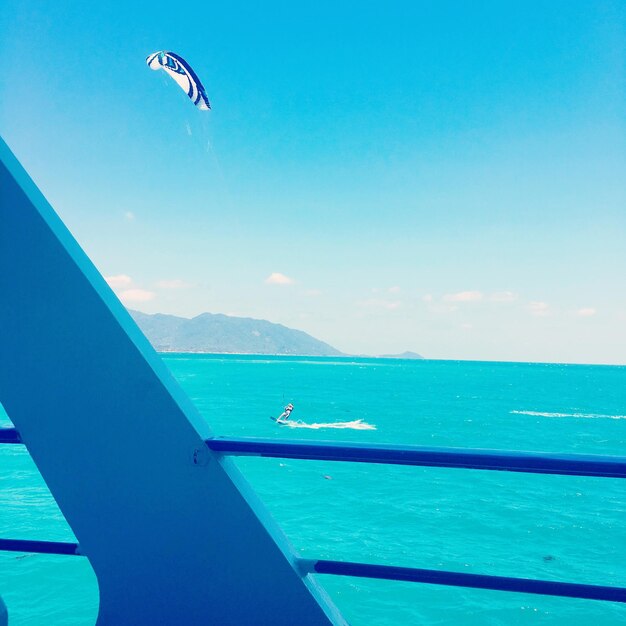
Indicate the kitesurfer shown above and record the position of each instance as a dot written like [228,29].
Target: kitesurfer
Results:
[286,413]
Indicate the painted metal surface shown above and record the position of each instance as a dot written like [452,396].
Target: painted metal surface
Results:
[460,458]
[173,532]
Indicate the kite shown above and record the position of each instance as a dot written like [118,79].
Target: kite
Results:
[182,73]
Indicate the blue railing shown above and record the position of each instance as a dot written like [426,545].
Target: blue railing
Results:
[9,435]
[462,458]
[459,458]
[39,547]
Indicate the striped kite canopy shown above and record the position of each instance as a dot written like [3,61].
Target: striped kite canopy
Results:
[182,73]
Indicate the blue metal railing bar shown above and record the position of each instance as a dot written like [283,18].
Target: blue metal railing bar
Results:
[9,435]
[39,547]
[458,579]
[503,460]
[388,572]
[511,461]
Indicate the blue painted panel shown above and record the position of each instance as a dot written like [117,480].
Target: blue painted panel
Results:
[462,458]
[174,533]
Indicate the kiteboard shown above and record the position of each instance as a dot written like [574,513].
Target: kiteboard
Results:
[277,420]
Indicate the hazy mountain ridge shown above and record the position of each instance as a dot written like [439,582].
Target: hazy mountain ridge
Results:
[215,332]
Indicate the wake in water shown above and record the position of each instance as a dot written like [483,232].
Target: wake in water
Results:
[354,425]
[579,415]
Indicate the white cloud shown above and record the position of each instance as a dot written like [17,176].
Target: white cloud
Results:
[129,216]
[175,283]
[427,298]
[136,295]
[463,296]
[394,289]
[503,296]
[586,312]
[276,278]
[313,293]
[119,281]
[539,309]
[127,294]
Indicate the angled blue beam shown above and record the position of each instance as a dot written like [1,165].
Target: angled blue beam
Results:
[173,531]
[9,435]
[458,579]
[39,547]
[462,458]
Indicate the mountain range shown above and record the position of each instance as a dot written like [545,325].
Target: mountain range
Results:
[214,332]
[217,333]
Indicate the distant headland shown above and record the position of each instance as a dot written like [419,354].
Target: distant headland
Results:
[405,355]
[226,334]
[217,333]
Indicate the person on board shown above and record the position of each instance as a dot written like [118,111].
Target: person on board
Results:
[286,413]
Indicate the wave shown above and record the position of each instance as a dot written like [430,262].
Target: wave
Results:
[354,425]
[579,415]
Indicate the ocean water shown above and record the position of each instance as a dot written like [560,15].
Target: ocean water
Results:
[551,527]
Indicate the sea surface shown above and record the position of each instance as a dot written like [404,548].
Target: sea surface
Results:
[550,527]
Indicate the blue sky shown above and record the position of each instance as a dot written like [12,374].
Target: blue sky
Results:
[441,177]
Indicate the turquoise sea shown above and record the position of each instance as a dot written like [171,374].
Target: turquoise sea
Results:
[552,527]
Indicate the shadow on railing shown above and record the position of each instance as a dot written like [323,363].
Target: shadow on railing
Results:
[459,458]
